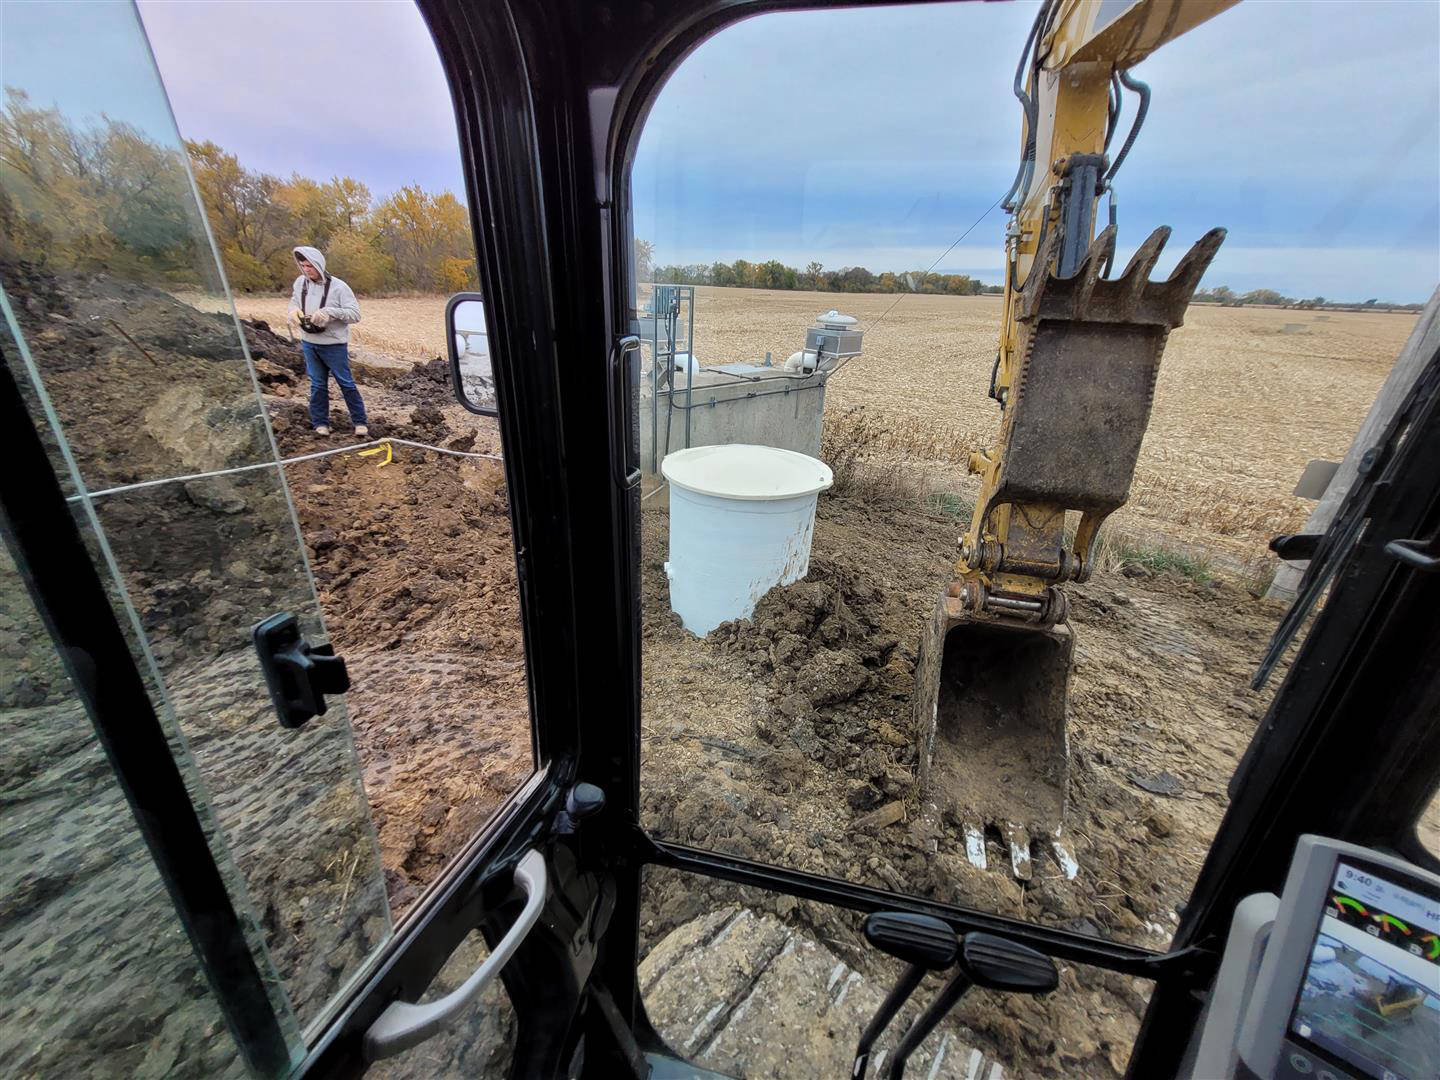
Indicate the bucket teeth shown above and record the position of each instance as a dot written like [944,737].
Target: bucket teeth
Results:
[1018,841]
[1137,271]
[975,845]
[1100,253]
[1146,256]
[1067,862]
[1130,298]
[1187,274]
[1023,851]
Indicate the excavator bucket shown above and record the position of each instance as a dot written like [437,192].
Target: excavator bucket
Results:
[990,709]
[994,669]
[1090,351]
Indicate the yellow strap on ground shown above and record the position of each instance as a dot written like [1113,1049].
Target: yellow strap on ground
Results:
[386,447]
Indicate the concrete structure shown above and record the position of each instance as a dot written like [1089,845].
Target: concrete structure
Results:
[733,403]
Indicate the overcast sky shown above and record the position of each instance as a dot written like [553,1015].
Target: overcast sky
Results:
[878,137]
[849,137]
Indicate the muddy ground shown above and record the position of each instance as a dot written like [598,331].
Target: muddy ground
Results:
[787,738]
[414,566]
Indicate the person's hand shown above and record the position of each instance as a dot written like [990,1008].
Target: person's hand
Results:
[319,318]
[294,317]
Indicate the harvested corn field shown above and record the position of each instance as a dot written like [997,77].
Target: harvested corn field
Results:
[409,327]
[1240,407]
[1242,403]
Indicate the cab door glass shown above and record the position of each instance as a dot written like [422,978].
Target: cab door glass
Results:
[185,440]
[349,145]
[99,979]
[820,264]
[153,413]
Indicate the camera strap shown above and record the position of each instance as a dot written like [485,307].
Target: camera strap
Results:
[305,291]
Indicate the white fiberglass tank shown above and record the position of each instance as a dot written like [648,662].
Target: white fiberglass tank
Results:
[741,521]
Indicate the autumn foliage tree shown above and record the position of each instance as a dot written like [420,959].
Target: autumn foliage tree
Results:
[428,236]
[414,240]
[100,194]
[93,196]
[250,220]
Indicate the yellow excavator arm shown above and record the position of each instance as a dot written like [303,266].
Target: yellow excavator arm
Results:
[1070,83]
[1074,376]
[1070,77]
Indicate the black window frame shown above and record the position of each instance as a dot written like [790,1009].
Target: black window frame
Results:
[550,98]
[584,80]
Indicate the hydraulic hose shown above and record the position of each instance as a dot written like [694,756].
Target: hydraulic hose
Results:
[1114,111]
[1144,91]
[1027,159]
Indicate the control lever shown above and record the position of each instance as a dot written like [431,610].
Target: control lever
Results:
[925,944]
[987,961]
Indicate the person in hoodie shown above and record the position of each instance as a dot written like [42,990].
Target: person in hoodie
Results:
[322,307]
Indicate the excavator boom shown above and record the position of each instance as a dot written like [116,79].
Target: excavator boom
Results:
[1074,376]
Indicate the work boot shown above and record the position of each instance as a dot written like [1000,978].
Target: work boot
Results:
[362,430]
[322,430]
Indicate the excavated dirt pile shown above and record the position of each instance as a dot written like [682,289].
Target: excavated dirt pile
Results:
[836,674]
[785,738]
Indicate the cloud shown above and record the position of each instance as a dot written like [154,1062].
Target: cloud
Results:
[875,136]
[319,87]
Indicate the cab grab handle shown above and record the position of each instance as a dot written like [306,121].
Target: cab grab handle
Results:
[403,1025]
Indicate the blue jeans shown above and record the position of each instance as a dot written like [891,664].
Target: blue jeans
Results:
[322,361]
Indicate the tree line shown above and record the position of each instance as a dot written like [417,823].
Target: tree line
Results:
[412,241]
[103,195]
[743,274]
[773,274]
[1228,297]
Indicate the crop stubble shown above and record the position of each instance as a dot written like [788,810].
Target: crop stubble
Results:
[1240,406]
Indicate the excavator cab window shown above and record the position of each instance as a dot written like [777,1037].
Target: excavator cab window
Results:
[858,745]
[1049,730]
[243,730]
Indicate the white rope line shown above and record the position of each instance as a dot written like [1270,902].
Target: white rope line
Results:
[928,269]
[352,448]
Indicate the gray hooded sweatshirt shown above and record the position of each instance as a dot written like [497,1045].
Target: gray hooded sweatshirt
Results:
[340,304]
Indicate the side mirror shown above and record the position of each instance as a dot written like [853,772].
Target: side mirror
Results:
[469,343]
